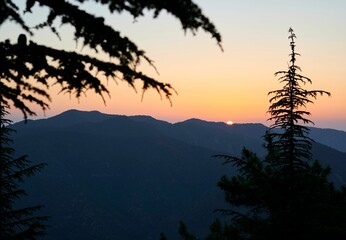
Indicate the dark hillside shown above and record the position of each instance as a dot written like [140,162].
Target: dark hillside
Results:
[119,177]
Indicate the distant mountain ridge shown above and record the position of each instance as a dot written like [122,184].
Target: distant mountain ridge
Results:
[330,137]
[130,177]
[253,131]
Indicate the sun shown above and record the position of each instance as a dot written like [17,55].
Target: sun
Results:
[229,122]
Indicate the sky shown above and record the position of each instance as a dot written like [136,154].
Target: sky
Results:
[220,86]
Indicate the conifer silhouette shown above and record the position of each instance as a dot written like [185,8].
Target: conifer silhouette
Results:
[28,69]
[16,223]
[291,142]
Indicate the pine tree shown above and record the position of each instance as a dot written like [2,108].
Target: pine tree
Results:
[291,143]
[16,223]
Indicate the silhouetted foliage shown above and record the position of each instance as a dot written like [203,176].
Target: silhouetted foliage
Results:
[286,195]
[291,144]
[16,223]
[184,233]
[26,67]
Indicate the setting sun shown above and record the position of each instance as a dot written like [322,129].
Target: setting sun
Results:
[229,123]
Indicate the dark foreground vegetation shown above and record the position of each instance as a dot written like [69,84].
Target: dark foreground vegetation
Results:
[287,194]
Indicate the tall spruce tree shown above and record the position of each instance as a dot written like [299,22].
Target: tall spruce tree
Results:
[291,142]
[291,145]
[16,223]
[287,195]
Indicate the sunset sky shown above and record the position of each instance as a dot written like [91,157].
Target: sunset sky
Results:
[222,86]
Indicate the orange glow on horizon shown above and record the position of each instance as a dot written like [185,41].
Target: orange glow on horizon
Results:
[213,85]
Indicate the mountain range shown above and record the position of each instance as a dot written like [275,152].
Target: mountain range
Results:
[133,177]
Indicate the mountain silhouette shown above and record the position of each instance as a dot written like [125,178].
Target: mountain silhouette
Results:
[131,177]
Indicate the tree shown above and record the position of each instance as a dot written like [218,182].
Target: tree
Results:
[293,146]
[27,67]
[287,195]
[16,223]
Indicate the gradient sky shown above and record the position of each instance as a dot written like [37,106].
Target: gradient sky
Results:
[230,85]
